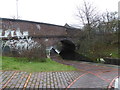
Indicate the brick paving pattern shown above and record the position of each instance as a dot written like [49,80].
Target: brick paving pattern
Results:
[89,75]
[96,75]
[38,79]
[90,81]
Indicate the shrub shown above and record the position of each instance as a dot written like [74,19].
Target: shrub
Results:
[37,53]
[99,47]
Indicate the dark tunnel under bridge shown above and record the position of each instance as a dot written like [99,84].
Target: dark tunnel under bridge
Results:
[68,51]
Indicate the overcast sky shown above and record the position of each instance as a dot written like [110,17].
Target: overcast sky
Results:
[51,11]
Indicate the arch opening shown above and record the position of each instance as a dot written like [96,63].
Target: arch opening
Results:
[67,50]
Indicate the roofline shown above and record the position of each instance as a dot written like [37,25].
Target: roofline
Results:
[19,20]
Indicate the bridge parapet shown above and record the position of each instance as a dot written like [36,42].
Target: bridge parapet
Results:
[43,33]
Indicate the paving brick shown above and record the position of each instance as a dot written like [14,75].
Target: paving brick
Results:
[6,76]
[90,81]
[94,78]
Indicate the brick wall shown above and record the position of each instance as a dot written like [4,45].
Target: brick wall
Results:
[48,34]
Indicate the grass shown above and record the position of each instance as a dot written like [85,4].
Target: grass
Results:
[12,63]
[104,52]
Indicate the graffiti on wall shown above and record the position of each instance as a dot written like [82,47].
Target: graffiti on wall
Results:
[23,41]
[20,44]
[13,33]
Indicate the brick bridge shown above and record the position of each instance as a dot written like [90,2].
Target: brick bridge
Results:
[46,34]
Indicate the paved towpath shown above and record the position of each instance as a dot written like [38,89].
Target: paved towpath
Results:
[89,75]
[25,80]
[95,75]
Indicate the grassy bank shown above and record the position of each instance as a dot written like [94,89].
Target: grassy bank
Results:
[12,63]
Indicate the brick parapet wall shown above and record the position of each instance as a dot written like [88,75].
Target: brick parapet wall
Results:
[45,33]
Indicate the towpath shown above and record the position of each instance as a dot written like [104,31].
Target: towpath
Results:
[94,75]
[89,75]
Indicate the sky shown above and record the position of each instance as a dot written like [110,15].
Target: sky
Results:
[56,12]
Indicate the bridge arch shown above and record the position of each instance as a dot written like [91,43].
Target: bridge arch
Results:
[62,47]
[45,34]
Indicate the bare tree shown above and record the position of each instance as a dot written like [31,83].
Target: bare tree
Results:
[14,17]
[87,15]
[99,31]
[109,21]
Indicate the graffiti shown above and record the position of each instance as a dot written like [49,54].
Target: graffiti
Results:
[38,26]
[22,43]
[13,33]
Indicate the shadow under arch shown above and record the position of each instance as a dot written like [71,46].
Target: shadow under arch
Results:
[68,51]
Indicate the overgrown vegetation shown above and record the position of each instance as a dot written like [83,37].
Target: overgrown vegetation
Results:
[99,47]
[99,35]
[22,64]
[35,53]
